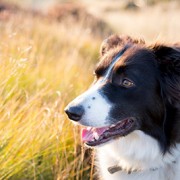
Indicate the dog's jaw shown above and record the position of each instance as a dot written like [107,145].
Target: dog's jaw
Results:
[97,136]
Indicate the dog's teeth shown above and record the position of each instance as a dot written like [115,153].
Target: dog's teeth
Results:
[96,136]
[112,126]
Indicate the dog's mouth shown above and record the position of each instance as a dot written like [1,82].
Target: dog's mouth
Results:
[96,136]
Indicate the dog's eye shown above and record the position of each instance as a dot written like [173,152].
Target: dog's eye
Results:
[127,83]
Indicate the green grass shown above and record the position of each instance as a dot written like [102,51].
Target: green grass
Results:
[43,65]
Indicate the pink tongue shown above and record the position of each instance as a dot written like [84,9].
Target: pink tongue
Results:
[88,134]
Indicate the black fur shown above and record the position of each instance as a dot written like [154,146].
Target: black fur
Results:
[155,99]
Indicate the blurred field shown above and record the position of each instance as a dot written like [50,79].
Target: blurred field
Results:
[44,63]
[159,21]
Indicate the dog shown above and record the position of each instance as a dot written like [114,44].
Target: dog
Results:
[131,113]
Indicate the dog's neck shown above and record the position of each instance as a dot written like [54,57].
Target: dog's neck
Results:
[136,153]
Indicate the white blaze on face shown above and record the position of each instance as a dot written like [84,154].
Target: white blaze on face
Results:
[95,104]
[112,65]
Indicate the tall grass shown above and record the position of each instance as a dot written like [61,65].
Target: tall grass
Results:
[43,65]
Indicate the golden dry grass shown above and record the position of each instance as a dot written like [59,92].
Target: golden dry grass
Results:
[43,66]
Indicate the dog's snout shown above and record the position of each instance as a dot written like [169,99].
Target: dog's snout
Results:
[74,112]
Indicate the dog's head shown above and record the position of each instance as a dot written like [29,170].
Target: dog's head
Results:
[133,87]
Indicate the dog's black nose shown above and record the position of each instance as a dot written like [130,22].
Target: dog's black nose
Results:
[74,112]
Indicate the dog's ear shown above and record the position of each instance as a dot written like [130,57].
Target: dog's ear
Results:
[114,41]
[168,59]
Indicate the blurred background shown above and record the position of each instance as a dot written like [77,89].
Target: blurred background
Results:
[48,50]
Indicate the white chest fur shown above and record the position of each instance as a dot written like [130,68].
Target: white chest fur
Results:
[138,151]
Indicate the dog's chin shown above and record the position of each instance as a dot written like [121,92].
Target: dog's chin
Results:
[93,136]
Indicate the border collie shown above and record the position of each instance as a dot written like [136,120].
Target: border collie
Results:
[131,113]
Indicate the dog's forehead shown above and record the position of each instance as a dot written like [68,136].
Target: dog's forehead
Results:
[133,55]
